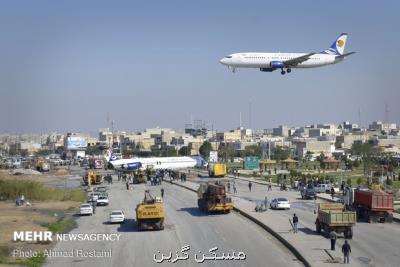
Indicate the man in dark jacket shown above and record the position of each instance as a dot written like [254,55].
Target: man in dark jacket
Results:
[333,236]
[250,184]
[295,222]
[346,249]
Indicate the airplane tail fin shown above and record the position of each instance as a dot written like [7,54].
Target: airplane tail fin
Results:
[337,48]
[108,155]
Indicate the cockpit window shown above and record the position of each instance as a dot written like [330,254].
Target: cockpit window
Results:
[228,57]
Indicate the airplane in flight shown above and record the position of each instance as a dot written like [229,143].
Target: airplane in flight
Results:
[268,62]
[155,163]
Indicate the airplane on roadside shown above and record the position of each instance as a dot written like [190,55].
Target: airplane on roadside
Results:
[268,62]
[155,163]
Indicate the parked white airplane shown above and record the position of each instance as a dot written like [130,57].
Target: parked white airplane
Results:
[268,62]
[162,163]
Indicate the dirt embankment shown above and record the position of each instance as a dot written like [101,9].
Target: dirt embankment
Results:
[51,208]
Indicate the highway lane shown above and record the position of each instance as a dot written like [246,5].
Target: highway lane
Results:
[372,244]
[184,225]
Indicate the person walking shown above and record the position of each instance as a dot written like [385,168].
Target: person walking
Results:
[250,184]
[333,237]
[295,223]
[22,199]
[346,249]
[127,185]
[162,192]
[234,189]
[229,187]
[94,204]
[332,192]
[269,186]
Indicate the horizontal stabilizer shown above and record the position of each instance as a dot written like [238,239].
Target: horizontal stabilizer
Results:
[345,55]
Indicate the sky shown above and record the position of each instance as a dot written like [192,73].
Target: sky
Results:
[78,65]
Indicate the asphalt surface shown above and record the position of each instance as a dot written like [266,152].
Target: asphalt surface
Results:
[184,225]
[372,244]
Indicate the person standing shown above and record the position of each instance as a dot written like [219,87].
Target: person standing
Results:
[162,192]
[234,188]
[127,185]
[332,192]
[250,184]
[94,204]
[346,249]
[22,198]
[229,187]
[333,237]
[295,223]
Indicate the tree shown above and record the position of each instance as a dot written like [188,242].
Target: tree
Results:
[308,155]
[92,150]
[184,151]
[205,149]
[253,150]
[280,153]
[226,152]
[43,152]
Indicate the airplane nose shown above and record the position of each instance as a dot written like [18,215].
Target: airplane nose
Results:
[223,61]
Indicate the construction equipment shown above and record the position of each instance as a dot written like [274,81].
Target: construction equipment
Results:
[216,169]
[138,177]
[371,205]
[42,166]
[212,197]
[150,213]
[92,178]
[333,216]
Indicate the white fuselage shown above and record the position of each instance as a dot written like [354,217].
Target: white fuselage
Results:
[263,60]
[162,163]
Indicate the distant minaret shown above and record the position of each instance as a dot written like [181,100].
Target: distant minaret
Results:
[386,113]
[250,115]
[359,117]
[240,120]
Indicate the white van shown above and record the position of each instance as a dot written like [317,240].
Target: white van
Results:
[323,188]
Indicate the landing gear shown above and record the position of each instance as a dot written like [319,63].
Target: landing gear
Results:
[289,70]
[283,72]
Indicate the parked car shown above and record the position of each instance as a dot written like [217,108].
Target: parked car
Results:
[100,189]
[117,216]
[323,188]
[280,203]
[86,209]
[102,200]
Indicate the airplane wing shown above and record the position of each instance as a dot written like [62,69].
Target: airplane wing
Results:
[296,61]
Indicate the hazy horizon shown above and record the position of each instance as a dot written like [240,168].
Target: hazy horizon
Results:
[73,66]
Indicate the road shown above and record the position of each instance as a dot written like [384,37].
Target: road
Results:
[184,225]
[372,244]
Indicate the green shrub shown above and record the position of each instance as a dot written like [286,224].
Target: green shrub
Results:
[36,261]
[32,190]
[62,226]
[4,251]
